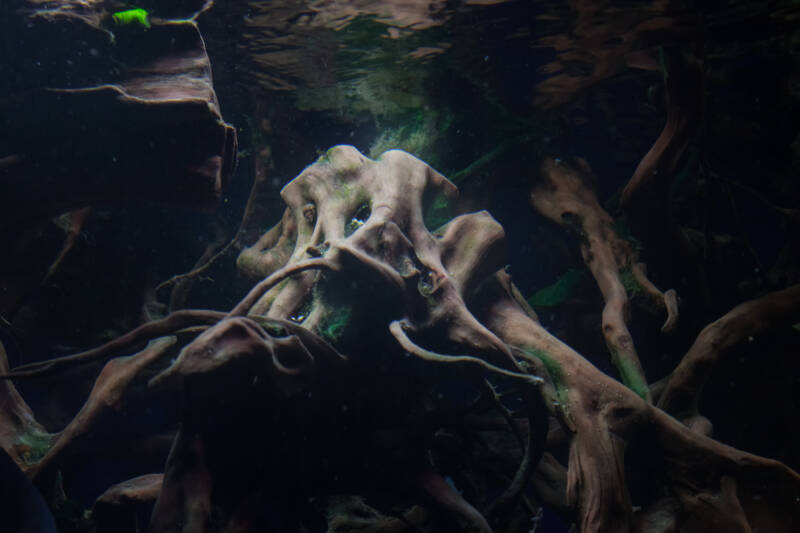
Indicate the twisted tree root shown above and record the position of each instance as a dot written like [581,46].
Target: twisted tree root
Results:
[564,197]
[755,317]
[158,328]
[397,329]
[533,448]
[262,287]
[115,509]
[605,415]
[449,499]
[19,430]
[445,287]
[646,197]
[108,392]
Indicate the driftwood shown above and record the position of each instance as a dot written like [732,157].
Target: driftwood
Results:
[316,397]
[564,197]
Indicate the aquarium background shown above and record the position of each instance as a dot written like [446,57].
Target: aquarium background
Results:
[480,90]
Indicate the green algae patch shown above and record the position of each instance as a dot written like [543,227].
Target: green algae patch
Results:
[272,328]
[339,160]
[350,192]
[36,443]
[556,373]
[567,285]
[333,325]
[631,376]
[415,132]
[632,286]
[132,17]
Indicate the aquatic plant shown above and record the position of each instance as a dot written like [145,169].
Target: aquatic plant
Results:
[132,17]
[559,292]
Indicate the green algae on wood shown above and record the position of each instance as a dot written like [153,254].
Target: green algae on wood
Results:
[35,443]
[556,373]
[631,376]
[628,279]
[272,328]
[131,17]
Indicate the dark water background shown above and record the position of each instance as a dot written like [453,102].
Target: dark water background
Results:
[453,82]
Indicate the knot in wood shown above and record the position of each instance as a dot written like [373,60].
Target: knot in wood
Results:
[310,213]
